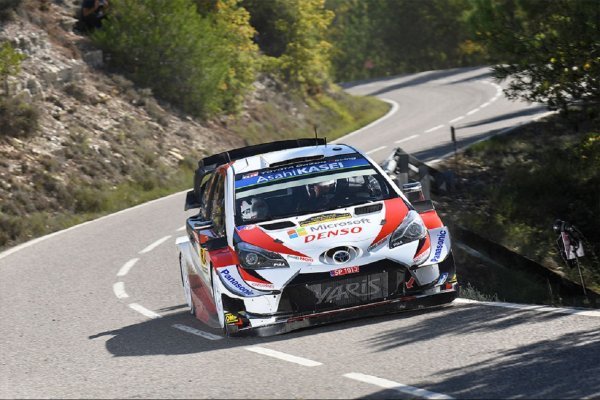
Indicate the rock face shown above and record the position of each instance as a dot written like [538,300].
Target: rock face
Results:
[95,127]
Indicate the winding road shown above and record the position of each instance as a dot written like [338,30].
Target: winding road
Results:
[97,311]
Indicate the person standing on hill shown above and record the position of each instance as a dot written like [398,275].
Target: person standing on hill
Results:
[93,12]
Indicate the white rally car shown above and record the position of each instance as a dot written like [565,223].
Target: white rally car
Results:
[297,233]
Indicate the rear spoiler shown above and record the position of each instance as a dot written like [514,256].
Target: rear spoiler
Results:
[210,163]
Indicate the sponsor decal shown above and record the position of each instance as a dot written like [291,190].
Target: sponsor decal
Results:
[301,170]
[246,227]
[203,256]
[439,246]
[355,289]
[332,233]
[319,219]
[420,258]
[227,275]
[344,271]
[442,279]
[250,175]
[327,226]
[231,318]
[410,283]
[377,244]
[299,258]
[261,285]
[294,233]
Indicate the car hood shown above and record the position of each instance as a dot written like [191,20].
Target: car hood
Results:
[311,236]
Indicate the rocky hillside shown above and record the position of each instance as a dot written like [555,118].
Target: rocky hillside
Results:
[79,103]
[92,142]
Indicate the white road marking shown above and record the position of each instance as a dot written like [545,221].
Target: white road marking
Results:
[155,244]
[119,289]
[406,139]
[456,119]
[181,229]
[144,311]
[560,310]
[30,243]
[127,266]
[376,149]
[435,128]
[473,111]
[485,104]
[197,332]
[283,356]
[503,131]
[399,387]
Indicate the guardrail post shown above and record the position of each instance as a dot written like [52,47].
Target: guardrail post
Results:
[425,180]
[402,167]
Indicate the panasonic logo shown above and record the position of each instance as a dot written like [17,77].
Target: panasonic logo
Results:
[235,283]
[440,246]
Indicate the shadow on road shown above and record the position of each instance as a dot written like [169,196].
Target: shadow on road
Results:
[507,116]
[159,337]
[420,78]
[566,366]
[447,147]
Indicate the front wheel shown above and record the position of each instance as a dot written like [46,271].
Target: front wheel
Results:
[185,281]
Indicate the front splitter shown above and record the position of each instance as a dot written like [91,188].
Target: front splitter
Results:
[345,314]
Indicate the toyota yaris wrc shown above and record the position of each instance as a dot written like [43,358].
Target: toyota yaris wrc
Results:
[298,233]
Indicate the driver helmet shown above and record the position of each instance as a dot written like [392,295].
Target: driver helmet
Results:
[324,187]
[254,209]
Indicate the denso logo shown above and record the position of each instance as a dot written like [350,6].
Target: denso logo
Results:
[440,246]
[332,233]
[357,289]
[300,171]
[225,273]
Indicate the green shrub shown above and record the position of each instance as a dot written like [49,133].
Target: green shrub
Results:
[6,8]
[10,60]
[17,118]
[203,65]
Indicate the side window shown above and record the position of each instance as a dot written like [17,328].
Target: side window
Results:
[217,209]
[206,188]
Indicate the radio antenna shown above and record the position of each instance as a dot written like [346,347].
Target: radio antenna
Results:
[316,135]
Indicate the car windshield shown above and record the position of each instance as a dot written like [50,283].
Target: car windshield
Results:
[307,188]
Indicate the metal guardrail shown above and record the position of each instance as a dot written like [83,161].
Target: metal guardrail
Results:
[404,168]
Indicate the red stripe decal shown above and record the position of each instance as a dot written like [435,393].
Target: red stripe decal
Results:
[223,257]
[251,278]
[431,219]
[395,211]
[257,237]
[424,247]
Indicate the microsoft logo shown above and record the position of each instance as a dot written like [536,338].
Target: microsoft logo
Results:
[294,233]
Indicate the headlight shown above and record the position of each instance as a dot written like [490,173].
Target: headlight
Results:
[410,229]
[253,257]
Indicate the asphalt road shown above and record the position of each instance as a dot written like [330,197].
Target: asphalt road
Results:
[97,311]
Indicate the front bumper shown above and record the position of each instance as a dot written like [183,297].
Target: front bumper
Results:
[291,323]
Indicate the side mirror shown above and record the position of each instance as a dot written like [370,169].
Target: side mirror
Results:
[191,201]
[413,191]
[423,206]
[215,244]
